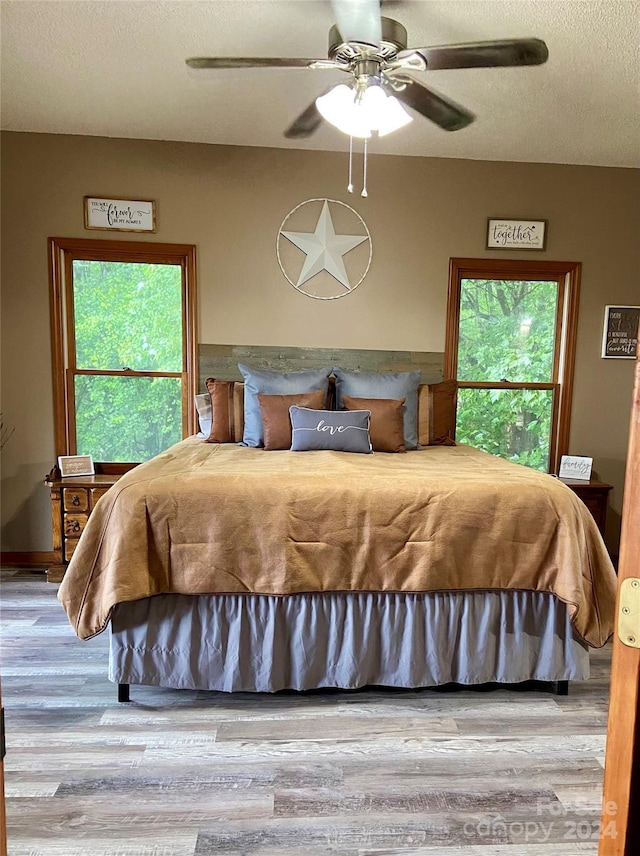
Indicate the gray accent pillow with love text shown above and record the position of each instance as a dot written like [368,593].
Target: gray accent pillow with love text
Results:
[337,431]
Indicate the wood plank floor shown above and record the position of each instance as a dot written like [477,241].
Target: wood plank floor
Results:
[181,773]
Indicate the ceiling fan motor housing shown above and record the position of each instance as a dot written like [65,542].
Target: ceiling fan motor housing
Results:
[394,39]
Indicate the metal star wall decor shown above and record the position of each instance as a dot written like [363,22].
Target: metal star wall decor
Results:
[324,251]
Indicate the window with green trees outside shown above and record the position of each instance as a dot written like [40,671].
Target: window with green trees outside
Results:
[127,346]
[510,346]
[127,317]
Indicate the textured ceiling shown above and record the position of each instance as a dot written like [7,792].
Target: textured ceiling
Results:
[116,68]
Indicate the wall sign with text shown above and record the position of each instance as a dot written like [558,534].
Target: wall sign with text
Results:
[120,215]
[575,467]
[76,465]
[516,234]
[620,334]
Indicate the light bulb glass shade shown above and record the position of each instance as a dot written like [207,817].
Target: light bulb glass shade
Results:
[339,108]
[373,111]
[393,117]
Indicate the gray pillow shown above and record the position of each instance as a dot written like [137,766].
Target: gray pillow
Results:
[344,431]
[262,381]
[384,385]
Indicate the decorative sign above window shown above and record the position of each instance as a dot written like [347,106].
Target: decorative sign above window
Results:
[620,334]
[326,231]
[120,215]
[516,234]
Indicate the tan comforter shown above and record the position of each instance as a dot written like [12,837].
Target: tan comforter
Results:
[203,518]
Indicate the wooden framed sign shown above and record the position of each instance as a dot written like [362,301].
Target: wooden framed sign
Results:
[119,215]
[505,234]
[575,467]
[620,333]
[76,465]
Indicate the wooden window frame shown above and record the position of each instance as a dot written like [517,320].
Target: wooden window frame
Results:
[62,253]
[567,275]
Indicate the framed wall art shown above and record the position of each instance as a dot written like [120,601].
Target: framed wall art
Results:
[620,333]
[503,234]
[119,215]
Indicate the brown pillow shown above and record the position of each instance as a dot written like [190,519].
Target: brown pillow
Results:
[238,411]
[386,428]
[424,411]
[276,422]
[444,398]
[221,392]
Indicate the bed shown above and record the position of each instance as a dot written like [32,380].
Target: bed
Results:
[226,567]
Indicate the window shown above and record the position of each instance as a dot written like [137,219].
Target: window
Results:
[511,330]
[124,340]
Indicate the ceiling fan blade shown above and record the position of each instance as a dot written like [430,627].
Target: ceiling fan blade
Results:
[358,20]
[258,62]
[305,125]
[508,52]
[444,112]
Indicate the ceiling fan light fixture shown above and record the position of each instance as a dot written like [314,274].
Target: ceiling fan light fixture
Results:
[358,114]
[339,108]
[393,117]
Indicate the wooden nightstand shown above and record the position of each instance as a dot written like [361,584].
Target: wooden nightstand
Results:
[73,498]
[594,494]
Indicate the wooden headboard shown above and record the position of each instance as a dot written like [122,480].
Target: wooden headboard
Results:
[221,361]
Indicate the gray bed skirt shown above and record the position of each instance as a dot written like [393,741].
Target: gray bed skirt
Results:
[262,643]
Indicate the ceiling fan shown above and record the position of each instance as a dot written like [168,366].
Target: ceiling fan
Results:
[372,49]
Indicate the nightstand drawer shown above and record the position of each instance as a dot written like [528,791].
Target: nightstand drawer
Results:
[74,524]
[70,545]
[96,493]
[75,499]
[596,507]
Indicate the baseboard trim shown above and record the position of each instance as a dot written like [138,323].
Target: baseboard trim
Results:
[27,559]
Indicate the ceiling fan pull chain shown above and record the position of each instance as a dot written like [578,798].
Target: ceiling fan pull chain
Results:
[364,171]
[350,185]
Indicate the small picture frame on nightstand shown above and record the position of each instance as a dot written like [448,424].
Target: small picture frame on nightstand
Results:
[76,465]
[575,467]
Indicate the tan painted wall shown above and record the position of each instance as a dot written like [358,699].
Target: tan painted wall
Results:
[230,202]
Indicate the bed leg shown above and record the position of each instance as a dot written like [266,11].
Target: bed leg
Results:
[562,687]
[123,692]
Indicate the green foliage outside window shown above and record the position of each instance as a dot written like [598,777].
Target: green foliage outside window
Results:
[511,424]
[507,333]
[127,315]
[127,419]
